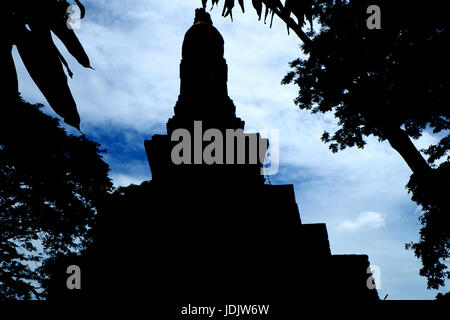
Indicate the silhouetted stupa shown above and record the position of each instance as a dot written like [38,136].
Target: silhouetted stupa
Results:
[234,236]
[216,233]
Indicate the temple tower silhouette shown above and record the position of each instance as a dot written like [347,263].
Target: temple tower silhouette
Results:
[212,233]
[204,100]
[233,235]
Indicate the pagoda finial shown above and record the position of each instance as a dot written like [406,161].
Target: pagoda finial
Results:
[202,17]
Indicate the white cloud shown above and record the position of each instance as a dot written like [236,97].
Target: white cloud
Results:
[125,180]
[365,220]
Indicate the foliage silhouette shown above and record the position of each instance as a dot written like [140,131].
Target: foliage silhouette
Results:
[433,247]
[51,187]
[391,83]
[29,25]
[443,297]
[301,9]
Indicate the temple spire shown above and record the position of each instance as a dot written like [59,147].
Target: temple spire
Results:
[201,16]
[203,79]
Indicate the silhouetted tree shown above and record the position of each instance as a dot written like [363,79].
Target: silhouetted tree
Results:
[28,26]
[391,83]
[51,187]
[443,297]
[433,248]
[300,9]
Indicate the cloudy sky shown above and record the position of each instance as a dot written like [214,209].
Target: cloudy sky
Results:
[135,48]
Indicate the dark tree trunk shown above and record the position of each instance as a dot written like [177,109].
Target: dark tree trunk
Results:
[401,142]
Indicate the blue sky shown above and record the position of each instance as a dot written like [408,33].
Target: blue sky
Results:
[135,48]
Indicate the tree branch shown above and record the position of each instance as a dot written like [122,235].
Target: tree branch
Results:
[401,142]
[291,24]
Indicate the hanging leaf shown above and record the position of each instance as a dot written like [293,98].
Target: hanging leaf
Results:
[309,12]
[228,8]
[29,25]
[42,61]
[266,14]
[64,62]
[273,4]
[82,9]
[71,42]
[271,20]
[300,9]
[241,3]
[257,4]
[214,2]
